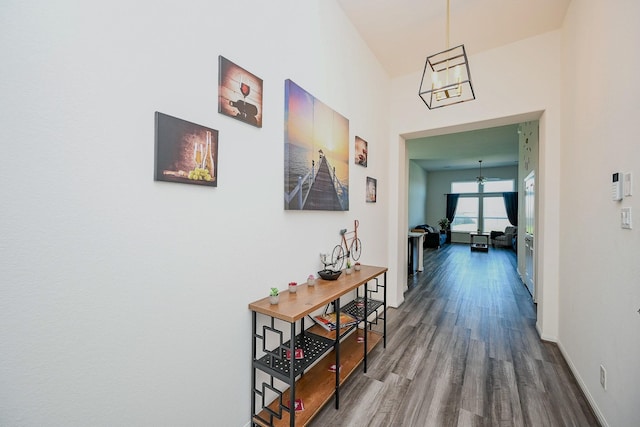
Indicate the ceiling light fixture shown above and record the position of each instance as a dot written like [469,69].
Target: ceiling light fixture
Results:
[480,179]
[446,79]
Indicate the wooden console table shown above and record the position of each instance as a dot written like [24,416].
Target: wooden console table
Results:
[277,381]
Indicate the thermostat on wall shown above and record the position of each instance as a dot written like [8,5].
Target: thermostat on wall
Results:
[616,187]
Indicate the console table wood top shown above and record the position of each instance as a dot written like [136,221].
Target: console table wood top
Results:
[294,306]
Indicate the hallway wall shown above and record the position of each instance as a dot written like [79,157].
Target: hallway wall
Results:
[124,301]
[600,291]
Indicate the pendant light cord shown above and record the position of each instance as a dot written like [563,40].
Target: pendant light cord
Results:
[447,24]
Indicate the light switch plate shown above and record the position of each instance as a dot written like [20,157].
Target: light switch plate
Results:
[625,218]
[627,184]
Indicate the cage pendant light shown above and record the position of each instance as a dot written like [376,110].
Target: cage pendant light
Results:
[446,79]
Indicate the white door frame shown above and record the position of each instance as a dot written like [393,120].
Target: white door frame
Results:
[529,233]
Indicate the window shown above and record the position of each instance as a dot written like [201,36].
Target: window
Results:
[498,186]
[481,207]
[464,187]
[494,214]
[466,218]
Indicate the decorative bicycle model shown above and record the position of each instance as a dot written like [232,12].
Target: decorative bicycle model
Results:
[350,247]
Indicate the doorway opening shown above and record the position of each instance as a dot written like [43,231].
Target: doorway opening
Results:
[436,158]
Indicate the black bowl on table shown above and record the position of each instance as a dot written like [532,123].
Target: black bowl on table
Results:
[329,274]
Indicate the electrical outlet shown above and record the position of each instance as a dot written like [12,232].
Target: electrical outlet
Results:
[603,377]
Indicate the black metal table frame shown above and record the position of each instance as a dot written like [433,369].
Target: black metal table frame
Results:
[278,370]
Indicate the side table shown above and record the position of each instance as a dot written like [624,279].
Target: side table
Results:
[479,241]
[417,239]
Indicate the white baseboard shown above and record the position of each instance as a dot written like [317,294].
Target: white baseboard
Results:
[545,337]
[583,386]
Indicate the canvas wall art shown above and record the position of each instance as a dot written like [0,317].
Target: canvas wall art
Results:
[316,151]
[361,152]
[372,190]
[239,93]
[185,152]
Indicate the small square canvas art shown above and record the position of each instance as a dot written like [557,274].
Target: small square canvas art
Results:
[361,152]
[239,93]
[372,190]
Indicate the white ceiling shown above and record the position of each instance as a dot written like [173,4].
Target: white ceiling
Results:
[496,146]
[402,33]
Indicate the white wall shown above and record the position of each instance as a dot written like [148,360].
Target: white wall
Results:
[417,202]
[600,276]
[123,301]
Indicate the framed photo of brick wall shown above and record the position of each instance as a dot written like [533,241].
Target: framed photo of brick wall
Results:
[239,93]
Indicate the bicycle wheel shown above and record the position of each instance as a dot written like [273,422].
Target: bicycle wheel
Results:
[337,257]
[356,249]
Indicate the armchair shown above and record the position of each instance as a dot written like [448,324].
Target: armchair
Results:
[504,238]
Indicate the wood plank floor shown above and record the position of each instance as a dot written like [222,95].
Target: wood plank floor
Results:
[463,351]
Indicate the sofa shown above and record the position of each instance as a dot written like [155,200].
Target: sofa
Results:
[432,238]
[504,239]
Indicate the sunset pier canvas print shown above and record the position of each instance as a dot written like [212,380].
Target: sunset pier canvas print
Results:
[316,154]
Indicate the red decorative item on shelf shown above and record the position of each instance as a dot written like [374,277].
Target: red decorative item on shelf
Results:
[298,352]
